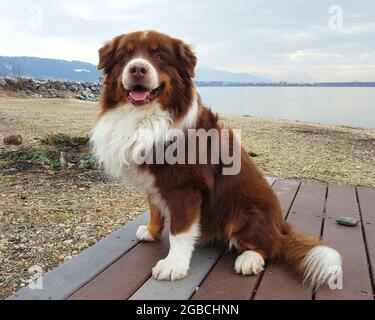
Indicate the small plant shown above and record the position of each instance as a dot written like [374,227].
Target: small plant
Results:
[88,161]
[43,156]
[61,140]
[56,151]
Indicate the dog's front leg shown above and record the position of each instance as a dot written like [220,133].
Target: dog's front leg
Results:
[154,229]
[184,212]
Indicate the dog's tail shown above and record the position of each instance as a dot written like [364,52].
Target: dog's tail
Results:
[311,259]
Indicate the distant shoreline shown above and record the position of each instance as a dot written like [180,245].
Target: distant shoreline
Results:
[308,85]
[348,84]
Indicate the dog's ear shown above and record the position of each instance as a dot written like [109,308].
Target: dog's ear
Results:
[187,58]
[105,56]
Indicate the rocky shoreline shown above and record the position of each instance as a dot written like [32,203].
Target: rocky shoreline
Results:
[46,88]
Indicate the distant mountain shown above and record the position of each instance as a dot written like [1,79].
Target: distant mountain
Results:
[82,71]
[48,69]
[205,74]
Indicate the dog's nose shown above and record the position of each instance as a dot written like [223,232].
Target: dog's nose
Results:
[138,71]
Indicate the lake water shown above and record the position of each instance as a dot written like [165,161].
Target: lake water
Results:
[341,106]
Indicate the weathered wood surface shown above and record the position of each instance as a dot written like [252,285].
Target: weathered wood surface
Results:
[342,201]
[120,268]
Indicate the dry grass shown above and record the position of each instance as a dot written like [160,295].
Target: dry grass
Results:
[334,154]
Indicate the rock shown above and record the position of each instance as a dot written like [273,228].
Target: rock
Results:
[80,97]
[14,140]
[68,242]
[66,259]
[36,88]
[91,241]
[347,221]
[10,81]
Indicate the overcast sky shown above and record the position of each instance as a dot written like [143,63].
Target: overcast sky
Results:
[282,40]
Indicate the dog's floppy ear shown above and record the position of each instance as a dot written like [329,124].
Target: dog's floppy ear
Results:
[187,58]
[105,56]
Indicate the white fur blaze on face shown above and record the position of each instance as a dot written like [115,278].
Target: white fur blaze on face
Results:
[143,234]
[250,262]
[151,78]
[176,265]
[322,265]
[145,34]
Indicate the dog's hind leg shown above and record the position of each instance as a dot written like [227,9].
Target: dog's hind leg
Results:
[252,257]
[249,262]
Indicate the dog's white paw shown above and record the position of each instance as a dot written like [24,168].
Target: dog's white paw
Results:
[143,234]
[250,262]
[168,271]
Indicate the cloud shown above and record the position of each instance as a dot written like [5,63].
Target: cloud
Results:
[281,40]
[303,56]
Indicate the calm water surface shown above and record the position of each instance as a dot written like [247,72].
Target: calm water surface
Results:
[341,106]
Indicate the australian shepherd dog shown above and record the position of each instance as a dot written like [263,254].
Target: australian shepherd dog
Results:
[148,87]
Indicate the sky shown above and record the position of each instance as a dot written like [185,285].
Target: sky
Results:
[281,40]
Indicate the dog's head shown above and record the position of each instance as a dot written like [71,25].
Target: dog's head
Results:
[142,67]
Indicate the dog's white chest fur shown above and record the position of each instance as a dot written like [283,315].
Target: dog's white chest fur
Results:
[120,135]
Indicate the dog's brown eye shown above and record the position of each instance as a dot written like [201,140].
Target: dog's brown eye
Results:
[158,57]
[125,55]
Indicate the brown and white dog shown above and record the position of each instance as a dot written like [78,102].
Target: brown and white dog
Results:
[148,85]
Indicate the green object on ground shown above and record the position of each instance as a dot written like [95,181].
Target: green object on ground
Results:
[347,221]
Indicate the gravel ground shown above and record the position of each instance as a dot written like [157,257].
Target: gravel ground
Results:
[47,217]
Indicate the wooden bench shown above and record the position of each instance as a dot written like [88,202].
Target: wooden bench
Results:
[119,267]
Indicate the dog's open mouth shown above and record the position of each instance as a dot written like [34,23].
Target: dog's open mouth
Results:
[140,95]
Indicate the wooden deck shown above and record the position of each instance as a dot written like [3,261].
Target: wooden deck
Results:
[119,267]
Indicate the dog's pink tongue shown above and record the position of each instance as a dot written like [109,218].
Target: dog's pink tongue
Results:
[140,95]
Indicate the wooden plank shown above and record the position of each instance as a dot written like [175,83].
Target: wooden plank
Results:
[271,180]
[366,197]
[68,278]
[204,258]
[306,214]
[286,191]
[125,276]
[349,242]
[215,286]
